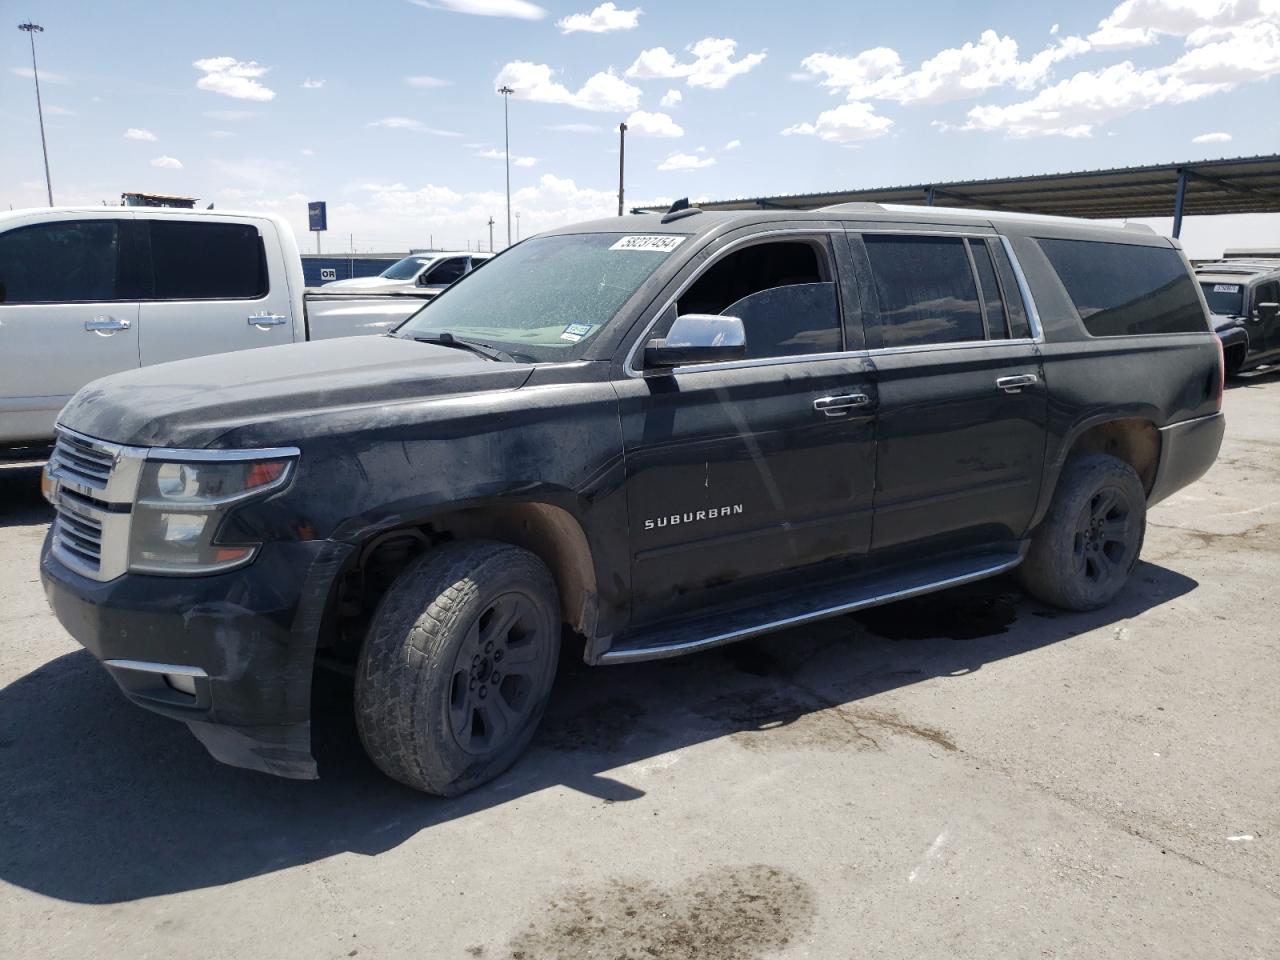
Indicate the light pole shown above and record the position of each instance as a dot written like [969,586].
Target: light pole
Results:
[622,153]
[32,29]
[491,234]
[506,132]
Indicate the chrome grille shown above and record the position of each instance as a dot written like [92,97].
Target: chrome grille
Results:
[96,484]
[84,461]
[78,535]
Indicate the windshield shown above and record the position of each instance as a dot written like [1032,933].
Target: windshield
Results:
[405,269]
[545,296]
[1225,299]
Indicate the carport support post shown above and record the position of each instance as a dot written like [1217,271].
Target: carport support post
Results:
[1178,203]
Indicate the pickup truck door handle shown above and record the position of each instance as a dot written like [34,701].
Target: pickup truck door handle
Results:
[106,325]
[265,320]
[1016,383]
[841,405]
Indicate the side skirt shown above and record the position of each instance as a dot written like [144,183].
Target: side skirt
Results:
[705,631]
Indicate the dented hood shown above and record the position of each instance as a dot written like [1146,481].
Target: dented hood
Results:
[190,403]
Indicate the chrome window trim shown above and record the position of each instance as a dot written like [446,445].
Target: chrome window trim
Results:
[1029,304]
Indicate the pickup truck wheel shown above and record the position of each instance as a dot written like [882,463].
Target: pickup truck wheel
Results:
[1087,545]
[457,666]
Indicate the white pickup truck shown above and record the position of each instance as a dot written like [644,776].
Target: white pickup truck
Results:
[90,291]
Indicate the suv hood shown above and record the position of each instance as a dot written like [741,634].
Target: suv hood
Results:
[191,403]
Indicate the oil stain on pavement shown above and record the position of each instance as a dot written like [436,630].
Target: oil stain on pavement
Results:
[731,913]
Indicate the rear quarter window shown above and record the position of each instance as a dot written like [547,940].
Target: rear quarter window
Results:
[1123,289]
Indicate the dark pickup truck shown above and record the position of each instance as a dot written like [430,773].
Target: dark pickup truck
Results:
[659,433]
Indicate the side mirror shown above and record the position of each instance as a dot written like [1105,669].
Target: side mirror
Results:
[423,279]
[1265,311]
[698,338]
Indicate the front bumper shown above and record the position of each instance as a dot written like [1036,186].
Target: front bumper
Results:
[1187,450]
[246,639]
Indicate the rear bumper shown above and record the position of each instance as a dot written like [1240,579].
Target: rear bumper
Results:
[245,642]
[1187,450]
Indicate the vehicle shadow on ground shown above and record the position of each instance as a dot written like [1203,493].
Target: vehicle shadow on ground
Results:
[20,501]
[105,803]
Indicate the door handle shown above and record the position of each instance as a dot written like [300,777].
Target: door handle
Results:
[839,406]
[1016,383]
[264,320]
[106,325]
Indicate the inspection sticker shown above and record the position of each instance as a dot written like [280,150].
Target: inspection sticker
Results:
[576,331]
[656,243]
[1226,288]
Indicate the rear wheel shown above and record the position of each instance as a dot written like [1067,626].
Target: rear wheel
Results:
[1233,359]
[1083,552]
[458,664]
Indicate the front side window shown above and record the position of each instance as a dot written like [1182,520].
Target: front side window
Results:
[926,290]
[547,296]
[1123,289]
[66,262]
[447,272]
[782,291]
[207,261]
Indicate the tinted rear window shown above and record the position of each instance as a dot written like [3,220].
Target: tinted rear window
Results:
[926,290]
[207,261]
[1121,289]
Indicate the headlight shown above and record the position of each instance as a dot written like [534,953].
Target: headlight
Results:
[182,502]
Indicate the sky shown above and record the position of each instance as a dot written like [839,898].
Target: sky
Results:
[388,110]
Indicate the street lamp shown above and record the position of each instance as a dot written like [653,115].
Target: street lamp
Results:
[491,234]
[506,130]
[32,29]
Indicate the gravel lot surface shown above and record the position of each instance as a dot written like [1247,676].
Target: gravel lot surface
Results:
[965,775]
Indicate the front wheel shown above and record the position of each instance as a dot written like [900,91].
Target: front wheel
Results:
[1083,552]
[455,672]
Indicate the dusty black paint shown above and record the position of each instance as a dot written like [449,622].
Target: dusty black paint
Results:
[938,466]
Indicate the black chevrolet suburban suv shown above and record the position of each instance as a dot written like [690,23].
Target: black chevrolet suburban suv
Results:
[659,433]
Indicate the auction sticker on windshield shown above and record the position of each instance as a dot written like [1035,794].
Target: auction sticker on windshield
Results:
[656,243]
[1226,288]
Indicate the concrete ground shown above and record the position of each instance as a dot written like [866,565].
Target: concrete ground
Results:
[967,775]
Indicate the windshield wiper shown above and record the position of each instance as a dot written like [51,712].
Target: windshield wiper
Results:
[447,339]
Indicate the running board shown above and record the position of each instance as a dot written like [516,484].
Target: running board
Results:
[707,631]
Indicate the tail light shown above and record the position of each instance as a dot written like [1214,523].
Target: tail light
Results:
[1222,370]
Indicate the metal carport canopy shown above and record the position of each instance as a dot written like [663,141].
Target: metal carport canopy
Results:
[1239,185]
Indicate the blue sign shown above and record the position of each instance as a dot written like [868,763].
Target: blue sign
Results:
[318,215]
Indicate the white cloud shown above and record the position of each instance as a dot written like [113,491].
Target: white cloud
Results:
[219,134]
[423,82]
[646,124]
[137,133]
[672,98]
[516,161]
[533,81]
[713,65]
[1218,60]
[233,78]
[576,127]
[847,123]
[408,123]
[309,84]
[951,74]
[1141,23]
[46,76]
[602,19]
[685,161]
[1212,138]
[55,111]
[518,9]
[307,152]
[733,145]
[167,163]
